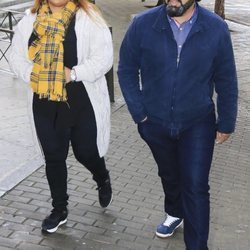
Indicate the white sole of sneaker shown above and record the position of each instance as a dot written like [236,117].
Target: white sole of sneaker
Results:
[109,202]
[167,235]
[52,230]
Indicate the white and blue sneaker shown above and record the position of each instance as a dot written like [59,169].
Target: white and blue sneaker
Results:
[168,227]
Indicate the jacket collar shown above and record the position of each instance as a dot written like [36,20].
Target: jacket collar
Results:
[161,23]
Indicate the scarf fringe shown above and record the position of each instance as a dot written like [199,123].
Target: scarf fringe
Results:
[53,97]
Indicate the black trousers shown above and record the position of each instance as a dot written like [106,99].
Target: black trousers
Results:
[55,144]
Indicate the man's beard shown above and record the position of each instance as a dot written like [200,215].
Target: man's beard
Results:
[174,11]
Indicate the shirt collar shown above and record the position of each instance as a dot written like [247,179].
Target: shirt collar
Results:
[191,20]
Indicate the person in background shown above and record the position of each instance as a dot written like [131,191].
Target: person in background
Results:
[172,59]
[64,49]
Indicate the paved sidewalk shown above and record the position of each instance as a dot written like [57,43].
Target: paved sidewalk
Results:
[130,221]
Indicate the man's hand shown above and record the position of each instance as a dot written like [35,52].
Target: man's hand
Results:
[221,137]
[67,74]
[145,119]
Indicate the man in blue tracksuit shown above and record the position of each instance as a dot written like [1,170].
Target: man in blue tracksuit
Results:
[172,59]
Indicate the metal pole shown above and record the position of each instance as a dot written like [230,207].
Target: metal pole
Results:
[10,24]
[110,80]
[109,75]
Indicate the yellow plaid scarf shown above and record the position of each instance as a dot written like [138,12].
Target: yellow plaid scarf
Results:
[48,76]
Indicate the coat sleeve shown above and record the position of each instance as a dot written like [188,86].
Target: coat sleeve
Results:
[226,85]
[128,73]
[19,63]
[100,58]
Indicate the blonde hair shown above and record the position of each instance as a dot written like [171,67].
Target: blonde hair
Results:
[86,5]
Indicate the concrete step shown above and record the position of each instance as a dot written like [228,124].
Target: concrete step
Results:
[8,3]
[20,7]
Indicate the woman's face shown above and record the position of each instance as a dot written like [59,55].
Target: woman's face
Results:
[57,3]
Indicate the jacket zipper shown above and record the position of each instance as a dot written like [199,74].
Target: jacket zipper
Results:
[174,88]
[177,69]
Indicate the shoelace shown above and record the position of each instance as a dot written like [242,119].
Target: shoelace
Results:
[106,183]
[170,220]
[54,214]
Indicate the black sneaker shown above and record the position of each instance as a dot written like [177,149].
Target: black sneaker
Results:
[54,220]
[105,193]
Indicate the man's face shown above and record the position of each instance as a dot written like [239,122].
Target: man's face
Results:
[175,3]
[177,8]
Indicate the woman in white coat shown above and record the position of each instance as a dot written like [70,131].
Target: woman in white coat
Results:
[63,49]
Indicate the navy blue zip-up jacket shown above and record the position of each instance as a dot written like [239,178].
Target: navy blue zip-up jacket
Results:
[154,85]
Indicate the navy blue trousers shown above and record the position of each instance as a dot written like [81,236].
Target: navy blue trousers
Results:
[184,160]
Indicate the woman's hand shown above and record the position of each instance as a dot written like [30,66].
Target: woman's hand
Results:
[67,74]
